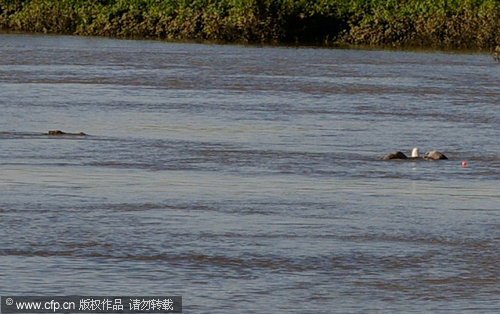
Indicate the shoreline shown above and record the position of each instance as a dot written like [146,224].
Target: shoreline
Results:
[421,24]
[274,45]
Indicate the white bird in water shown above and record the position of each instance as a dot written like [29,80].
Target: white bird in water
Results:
[414,152]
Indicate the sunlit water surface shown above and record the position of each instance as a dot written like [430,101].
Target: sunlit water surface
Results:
[247,179]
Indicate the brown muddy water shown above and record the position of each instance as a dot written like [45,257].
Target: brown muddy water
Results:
[247,179]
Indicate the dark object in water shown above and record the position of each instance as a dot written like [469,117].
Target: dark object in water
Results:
[59,132]
[395,155]
[430,155]
[434,155]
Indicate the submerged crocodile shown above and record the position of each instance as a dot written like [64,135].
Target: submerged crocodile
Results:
[59,132]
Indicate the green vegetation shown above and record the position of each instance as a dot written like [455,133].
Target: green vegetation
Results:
[472,24]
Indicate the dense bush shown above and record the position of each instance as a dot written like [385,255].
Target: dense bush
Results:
[427,23]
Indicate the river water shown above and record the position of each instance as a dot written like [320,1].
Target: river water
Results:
[247,179]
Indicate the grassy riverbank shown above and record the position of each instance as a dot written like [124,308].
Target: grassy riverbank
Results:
[470,24]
